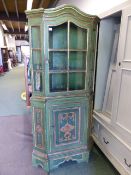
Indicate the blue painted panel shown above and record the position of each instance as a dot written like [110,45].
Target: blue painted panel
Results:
[67,125]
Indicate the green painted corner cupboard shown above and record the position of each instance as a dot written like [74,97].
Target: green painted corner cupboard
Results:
[63,52]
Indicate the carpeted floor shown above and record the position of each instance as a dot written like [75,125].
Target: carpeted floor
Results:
[16,146]
[12,84]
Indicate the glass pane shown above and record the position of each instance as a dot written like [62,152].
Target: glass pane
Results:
[58,60]
[35,36]
[77,60]
[58,37]
[76,81]
[37,81]
[78,37]
[58,82]
[36,59]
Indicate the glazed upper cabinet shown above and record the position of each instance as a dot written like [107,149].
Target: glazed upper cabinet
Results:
[68,46]
[36,59]
[112,110]
[67,53]
[63,50]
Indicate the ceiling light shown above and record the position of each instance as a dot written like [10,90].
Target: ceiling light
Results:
[4,27]
[29,4]
[26,28]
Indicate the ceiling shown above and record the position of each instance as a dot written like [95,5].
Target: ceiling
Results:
[12,14]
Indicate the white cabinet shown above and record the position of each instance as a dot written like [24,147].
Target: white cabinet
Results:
[112,108]
[122,95]
[113,147]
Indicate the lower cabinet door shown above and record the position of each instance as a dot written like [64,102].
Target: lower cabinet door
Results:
[67,123]
[38,125]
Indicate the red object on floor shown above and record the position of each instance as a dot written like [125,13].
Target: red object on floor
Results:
[1,69]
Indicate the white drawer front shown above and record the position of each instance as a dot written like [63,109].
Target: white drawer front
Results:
[118,150]
[105,139]
[123,155]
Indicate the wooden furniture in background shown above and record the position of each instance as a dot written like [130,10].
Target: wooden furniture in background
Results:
[63,48]
[4,53]
[12,57]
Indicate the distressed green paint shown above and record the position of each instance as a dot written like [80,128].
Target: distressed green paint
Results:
[63,46]
[57,106]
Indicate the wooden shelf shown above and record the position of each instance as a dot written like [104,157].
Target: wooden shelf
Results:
[38,49]
[66,50]
[66,71]
[4,53]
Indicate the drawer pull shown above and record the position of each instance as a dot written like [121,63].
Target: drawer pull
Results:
[106,142]
[119,63]
[129,165]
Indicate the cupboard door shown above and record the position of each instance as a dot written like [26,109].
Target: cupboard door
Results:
[38,128]
[36,60]
[66,57]
[122,107]
[67,124]
[111,79]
